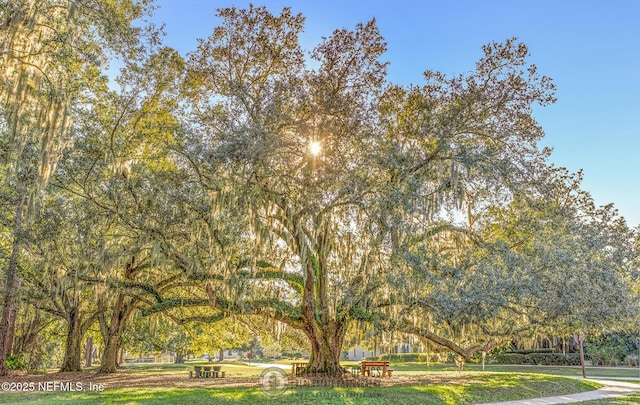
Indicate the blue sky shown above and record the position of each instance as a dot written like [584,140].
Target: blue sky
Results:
[590,48]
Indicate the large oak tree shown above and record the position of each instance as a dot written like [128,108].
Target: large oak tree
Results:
[320,175]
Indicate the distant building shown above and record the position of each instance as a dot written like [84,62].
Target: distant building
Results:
[357,353]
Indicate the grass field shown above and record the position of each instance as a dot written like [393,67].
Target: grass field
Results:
[436,384]
[568,371]
[610,372]
[466,389]
[233,369]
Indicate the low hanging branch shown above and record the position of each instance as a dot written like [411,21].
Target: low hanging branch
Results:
[382,320]
[169,303]
[125,284]
[425,333]
[270,272]
[270,308]
[198,318]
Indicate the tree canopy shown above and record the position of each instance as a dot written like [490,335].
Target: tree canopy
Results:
[255,179]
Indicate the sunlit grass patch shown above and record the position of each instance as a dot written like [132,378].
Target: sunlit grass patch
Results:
[465,388]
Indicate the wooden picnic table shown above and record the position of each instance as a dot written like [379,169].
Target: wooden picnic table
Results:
[207,372]
[367,367]
[297,367]
[198,371]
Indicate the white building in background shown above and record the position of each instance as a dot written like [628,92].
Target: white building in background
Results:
[166,358]
[228,354]
[357,353]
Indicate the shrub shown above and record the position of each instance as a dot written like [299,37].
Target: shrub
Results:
[509,358]
[554,359]
[433,357]
[408,357]
[543,359]
[611,349]
[405,357]
[530,351]
[16,363]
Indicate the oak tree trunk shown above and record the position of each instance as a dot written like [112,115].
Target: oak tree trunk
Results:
[12,282]
[71,360]
[113,330]
[326,347]
[109,361]
[88,355]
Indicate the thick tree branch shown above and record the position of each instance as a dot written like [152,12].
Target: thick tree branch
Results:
[270,308]
[439,340]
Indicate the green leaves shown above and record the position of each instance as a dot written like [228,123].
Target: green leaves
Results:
[571,260]
[193,189]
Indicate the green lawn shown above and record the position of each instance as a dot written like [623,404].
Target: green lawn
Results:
[411,368]
[448,386]
[611,372]
[421,368]
[617,372]
[467,388]
[233,369]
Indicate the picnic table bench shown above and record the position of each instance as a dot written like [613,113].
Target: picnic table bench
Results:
[207,372]
[297,367]
[373,368]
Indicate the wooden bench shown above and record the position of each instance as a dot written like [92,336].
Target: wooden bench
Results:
[371,368]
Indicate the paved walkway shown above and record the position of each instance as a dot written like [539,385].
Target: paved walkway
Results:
[611,389]
[267,365]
